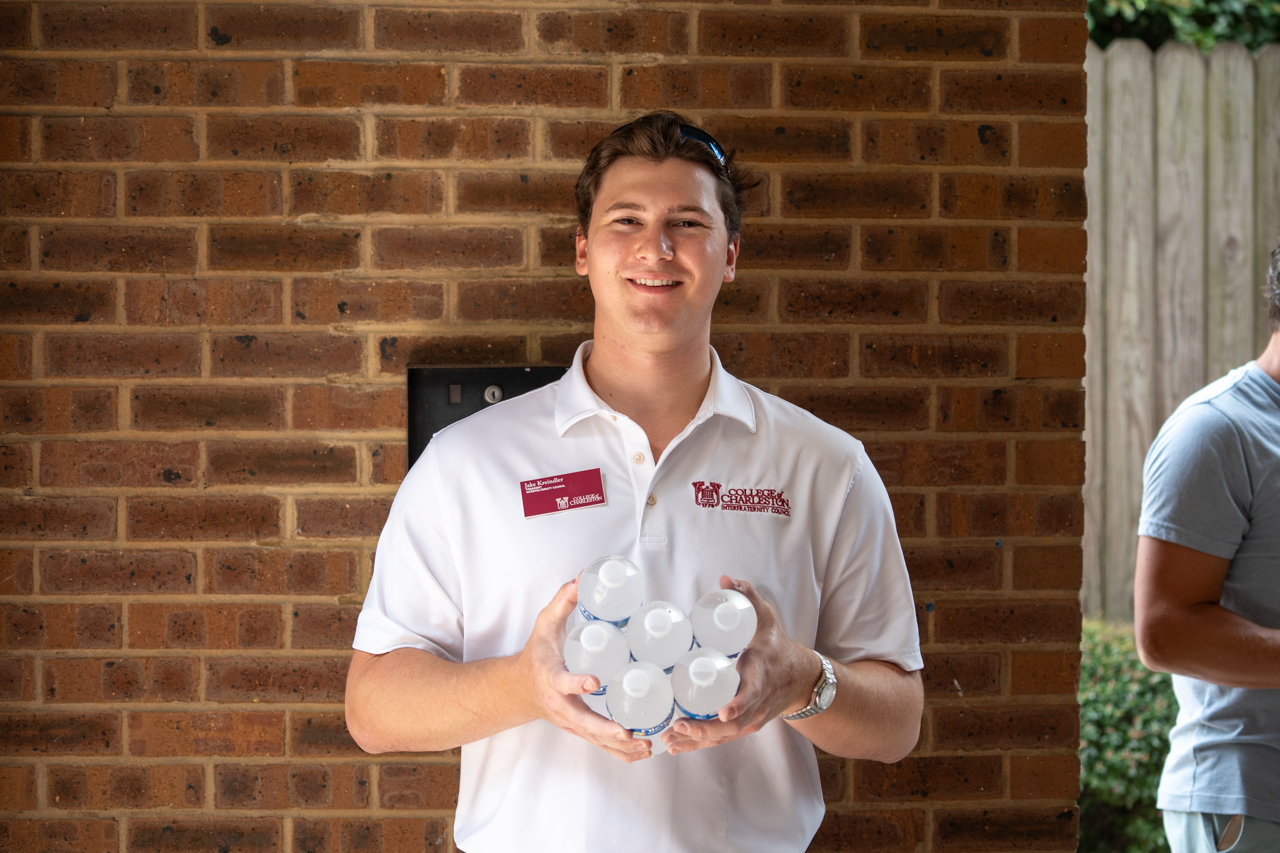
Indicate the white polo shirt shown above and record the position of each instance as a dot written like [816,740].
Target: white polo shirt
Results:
[754,487]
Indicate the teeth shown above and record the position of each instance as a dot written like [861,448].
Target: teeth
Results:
[655,282]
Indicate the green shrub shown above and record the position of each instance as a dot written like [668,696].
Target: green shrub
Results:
[1126,712]
[1203,23]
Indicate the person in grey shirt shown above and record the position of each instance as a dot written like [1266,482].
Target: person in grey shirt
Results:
[1207,603]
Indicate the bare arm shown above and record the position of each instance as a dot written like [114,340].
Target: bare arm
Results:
[876,714]
[1181,628]
[413,701]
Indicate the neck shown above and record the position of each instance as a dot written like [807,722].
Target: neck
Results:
[1269,361]
[659,389]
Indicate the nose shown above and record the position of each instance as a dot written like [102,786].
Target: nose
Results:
[655,244]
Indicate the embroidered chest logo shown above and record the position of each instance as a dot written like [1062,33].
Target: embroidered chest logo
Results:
[740,499]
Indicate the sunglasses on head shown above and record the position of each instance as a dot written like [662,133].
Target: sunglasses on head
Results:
[688,131]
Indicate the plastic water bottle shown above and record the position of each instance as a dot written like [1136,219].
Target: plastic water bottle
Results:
[610,590]
[659,633]
[596,648]
[724,620]
[704,681]
[639,698]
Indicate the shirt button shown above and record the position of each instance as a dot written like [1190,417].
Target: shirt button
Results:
[652,500]
[638,459]
[615,417]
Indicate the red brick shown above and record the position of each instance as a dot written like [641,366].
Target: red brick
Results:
[960,675]
[576,33]
[101,249]
[15,26]
[330,192]
[1008,622]
[116,138]
[1062,145]
[203,835]
[555,299]
[208,406]
[795,247]
[15,465]
[343,408]
[389,463]
[98,680]
[957,248]
[908,511]
[778,355]
[117,572]
[392,835]
[934,355]
[353,84]
[418,786]
[290,139]
[434,247]
[51,194]
[55,836]
[320,734]
[118,26]
[57,83]
[319,680]
[209,626]
[559,86]
[219,302]
[278,572]
[1048,567]
[1010,408]
[883,195]
[202,733]
[282,27]
[324,626]
[1006,829]
[762,34]
[905,142]
[282,354]
[858,409]
[1050,356]
[203,518]
[447,32]
[1016,92]
[243,463]
[15,358]
[743,300]
[857,88]
[515,192]
[1010,515]
[453,138]
[16,576]
[15,137]
[58,410]
[118,463]
[60,733]
[1015,727]
[62,626]
[122,355]
[206,84]
[1044,777]
[15,247]
[341,517]
[786,139]
[933,37]
[1045,673]
[43,518]
[400,352]
[953,568]
[929,778]
[283,247]
[1059,250]
[202,194]
[556,246]
[853,301]
[832,773]
[19,786]
[927,463]
[103,787]
[559,349]
[896,831]
[325,300]
[1012,303]
[1028,5]
[700,86]
[279,786]
[1060,40]
[1050,197]
[1050,463]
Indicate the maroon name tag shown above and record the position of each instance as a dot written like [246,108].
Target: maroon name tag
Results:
[562,492]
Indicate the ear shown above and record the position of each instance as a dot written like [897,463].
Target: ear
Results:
[580,252]
[731,258]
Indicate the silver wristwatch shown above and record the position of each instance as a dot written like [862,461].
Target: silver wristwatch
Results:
[824,693]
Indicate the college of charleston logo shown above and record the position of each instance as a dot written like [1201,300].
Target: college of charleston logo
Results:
[740,499]
[706,494]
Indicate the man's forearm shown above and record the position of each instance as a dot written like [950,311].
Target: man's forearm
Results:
[876,714]
[1213,644]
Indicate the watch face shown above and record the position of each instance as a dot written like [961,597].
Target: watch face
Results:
[826,695]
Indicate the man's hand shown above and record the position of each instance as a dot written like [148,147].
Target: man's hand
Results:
[777,677]
[554,691]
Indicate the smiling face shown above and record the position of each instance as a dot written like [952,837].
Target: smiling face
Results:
[656,253]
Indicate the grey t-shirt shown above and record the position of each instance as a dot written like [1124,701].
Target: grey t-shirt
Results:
[1212,482]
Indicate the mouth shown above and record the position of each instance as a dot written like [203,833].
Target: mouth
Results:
[655,282]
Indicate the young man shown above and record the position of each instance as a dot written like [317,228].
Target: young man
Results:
[705,482]
[1207,603]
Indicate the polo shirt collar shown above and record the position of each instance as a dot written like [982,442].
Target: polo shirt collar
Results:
[575,400]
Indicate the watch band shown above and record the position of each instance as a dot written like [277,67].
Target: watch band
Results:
[828,677]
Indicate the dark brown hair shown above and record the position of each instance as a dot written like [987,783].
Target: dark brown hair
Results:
[658,137]
[1273,289]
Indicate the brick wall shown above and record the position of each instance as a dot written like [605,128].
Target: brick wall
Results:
[227,230]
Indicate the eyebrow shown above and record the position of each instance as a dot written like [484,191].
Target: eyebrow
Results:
[683,208]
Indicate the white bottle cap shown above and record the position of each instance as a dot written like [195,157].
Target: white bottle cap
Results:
[702,671]
[636,684]
[594,638]
[726,616]
[658,622]
[613,574]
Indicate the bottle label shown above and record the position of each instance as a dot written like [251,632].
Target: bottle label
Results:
[694,716]
[653,730]
[591,617]
[600,692]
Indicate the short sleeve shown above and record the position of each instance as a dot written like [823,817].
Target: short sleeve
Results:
[868,611]
[1195,483]
[413,599]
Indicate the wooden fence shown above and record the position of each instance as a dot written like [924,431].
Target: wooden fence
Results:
[1184,208]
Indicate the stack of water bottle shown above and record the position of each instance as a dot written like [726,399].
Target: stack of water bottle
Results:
[652,659]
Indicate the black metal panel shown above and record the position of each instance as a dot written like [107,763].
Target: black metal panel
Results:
[438,396]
